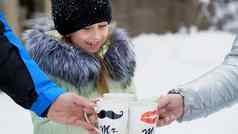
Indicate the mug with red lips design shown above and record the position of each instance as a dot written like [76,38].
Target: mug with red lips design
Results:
[142,117]
[122,113]
[149,117]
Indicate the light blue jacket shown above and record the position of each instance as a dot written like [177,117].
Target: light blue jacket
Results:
[214,90]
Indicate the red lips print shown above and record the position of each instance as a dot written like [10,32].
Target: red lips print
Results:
[149,117]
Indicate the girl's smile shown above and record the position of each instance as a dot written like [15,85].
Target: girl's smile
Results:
[91,38]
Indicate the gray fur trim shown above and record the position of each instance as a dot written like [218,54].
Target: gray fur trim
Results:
[120,59]
[60,60]
[69,63]
[40,22]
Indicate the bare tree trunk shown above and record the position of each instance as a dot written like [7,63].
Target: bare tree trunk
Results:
[11,9]
[156,16]
[47,6]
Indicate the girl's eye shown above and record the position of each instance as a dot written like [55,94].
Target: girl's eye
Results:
[86,28]
[102,26]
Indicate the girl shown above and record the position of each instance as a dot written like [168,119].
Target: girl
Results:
[82,55]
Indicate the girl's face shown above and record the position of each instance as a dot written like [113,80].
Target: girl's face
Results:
[91,38]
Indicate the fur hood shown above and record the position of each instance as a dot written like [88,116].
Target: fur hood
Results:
[61,60]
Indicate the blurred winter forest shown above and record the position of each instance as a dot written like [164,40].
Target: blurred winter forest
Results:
[144,16]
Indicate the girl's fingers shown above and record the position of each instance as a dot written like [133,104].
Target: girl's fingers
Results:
[93,119]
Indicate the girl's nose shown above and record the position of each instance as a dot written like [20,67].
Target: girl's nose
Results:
[96,35]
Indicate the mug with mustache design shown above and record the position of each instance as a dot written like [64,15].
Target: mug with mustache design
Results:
[109,114]
[112,116]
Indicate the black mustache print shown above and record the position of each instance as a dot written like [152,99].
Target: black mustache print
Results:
[109,114]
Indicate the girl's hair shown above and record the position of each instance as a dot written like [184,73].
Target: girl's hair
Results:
[66,39]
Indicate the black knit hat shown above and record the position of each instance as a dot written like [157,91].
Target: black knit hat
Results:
[72,15]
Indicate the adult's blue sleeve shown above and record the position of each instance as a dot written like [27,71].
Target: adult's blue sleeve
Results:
[20,76]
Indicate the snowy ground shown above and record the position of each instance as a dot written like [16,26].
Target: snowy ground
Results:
[164,61]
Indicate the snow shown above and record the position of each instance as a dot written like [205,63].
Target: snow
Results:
[205,1]
[167,60]
[13,118]
[164,61]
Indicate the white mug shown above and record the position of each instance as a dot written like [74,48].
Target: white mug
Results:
[112,117]
[142,117]
[127,97]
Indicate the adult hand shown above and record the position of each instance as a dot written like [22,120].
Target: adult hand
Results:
[71,109]
[170,108]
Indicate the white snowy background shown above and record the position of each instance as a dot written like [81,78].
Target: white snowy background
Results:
[164,61]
